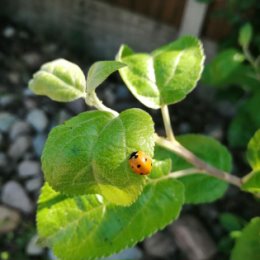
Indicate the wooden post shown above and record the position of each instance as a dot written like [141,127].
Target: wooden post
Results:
[192,20]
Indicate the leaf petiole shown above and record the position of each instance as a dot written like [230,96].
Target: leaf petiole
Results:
[180,150]
[91,99]
[167,123]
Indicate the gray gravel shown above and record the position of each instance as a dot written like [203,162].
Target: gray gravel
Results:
[14,195]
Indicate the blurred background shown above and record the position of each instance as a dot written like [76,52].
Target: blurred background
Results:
[225,105]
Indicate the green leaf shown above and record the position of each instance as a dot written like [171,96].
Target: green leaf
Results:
[248,244]
[166,75]
[60,80]
[253,151]
[89,154]
[161,168]
[231,222]
[219,72]
[245,35]
[245,123]
[200,188]
[86,227]
[251,182]
[99,72]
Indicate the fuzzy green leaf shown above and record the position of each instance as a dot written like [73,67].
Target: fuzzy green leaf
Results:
[248,243]
[166,75]
[161,168]
[245,35]
[251,182]
[87,227]
[253,151]
[89,154]
[60,80]
[200,188]
[99,71]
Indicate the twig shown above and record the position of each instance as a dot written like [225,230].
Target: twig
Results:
[185,172]
[201,165]
[167,123]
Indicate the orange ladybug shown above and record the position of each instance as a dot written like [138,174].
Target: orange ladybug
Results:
[140,163]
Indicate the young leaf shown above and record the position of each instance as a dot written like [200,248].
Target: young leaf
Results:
[248,243]
[160,168]
[253,151]
[245,123]
[99,71]
[86,227]
[89,154]
[166,75]
[60,80]
[252,182]
[200,188]
[245,35]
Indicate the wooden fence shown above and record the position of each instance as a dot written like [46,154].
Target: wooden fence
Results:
[99,27]
[171,12]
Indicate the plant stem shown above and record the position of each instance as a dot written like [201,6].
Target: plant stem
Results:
[167,123]
[201,165]
[185,172]
[251,60]
[91,99]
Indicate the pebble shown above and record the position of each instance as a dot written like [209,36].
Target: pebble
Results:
[9,32]
[32,59]
[77,106]
[122,92]
[193,239]
[160,244]
[15,196]
[51,256]
[19,128]
[130,253]
[38,143]
[37,119]
[49,48]
[33,185]
[32,248]
[109,97]
[7,100]
[14,77]
[19,147]
[11,219]
[215,131]
[6,121]
[63,116]
[29,168]
[29,103]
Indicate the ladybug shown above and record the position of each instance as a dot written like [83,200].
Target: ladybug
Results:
[140,163]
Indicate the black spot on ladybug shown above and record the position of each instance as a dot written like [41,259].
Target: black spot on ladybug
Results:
[138,166]
[146,159]
[141,173]
[136,156]
[132,154]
